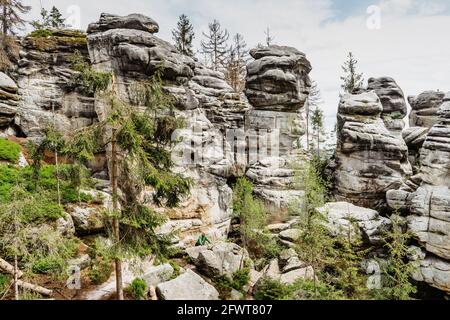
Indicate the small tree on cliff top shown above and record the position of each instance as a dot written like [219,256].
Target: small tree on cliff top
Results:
[183,36]
[215,44]
[352,80]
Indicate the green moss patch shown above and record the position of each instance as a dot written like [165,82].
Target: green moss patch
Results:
[9,151]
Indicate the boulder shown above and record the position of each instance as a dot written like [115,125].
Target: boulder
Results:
[369,159]
[223,258]
[362,222]
[132,21]
[424,108]
[188,286]
[158,274]
[278,79]
[291,235]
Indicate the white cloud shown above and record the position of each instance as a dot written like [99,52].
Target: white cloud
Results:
[412,45]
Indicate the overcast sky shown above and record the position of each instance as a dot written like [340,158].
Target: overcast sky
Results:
[410,42]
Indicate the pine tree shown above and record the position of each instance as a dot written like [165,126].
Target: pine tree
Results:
[314,100]
[236,63]
[353,81]
[317,123]
[56,19]
[183,36]
[11,15]
[215,44]
[398,269]
[140,158]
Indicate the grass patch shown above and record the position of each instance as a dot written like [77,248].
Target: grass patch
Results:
[9,151]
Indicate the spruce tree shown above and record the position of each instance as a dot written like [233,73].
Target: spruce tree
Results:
[314,100]
[183,36]
[352,80]
[215,44]
[317,123]
[56,19]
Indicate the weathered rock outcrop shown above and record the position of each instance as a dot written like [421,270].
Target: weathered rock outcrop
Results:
[9,100]
[219,259]
[277,86]
[365,223]
[424,108]
[393,102]
[369,159]
[188,286]
[43,76]
[428,206]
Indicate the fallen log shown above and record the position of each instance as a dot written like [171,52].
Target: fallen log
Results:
[9,268]
[35,288]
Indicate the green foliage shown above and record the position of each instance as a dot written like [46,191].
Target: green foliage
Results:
[101,268]
[271,290]
[41,33]
[183,36]
[9,151]
[5,281]
[352,80]
[253,220]
[86,80]
[397,284]
[224,284]
[310,290]
[52,19]
[138,289]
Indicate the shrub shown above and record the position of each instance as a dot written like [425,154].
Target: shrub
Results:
[240,278]
[270,290]
[86,80]
[138,289]
[9,151]
[49,265]
[4,283]
[100,271]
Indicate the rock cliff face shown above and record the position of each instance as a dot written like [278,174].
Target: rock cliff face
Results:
[43,77]
[428,206]
[369,159]
[9,100]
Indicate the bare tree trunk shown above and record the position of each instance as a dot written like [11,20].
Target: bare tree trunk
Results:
[118,262]
[16,272]
[307,125]
[34,287]
[57,177]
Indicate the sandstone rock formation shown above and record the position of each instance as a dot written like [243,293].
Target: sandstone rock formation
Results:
[277,86]
[424,108]
[369,159]
[188,286]
[428,205]
[393,102]
[9,100]
[365,223]
[43,77]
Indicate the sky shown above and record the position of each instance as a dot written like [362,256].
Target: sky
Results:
[404,39]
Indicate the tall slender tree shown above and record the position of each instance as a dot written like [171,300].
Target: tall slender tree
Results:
[352,80]
[269,37]
[215,44]
[317,123]
[183,35]
[314,100]
[236,63]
